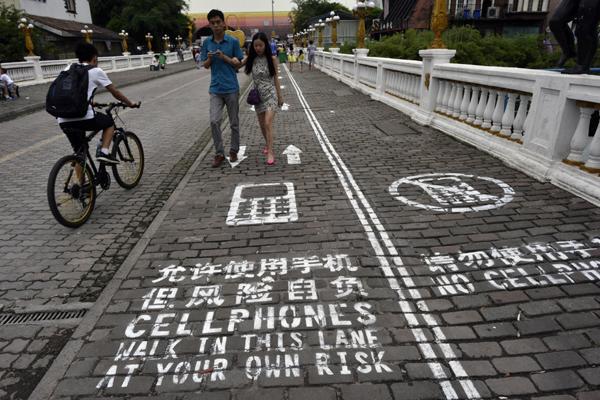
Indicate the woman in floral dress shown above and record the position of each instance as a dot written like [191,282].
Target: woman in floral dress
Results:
[262,64]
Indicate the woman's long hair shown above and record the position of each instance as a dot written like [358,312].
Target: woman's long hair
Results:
[252,54]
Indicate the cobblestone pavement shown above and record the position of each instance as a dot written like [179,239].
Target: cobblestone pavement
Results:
[33,98]
[46,267]
[376,263]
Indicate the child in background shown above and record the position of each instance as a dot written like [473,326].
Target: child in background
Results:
[300,59]
[291,58]
[9,86]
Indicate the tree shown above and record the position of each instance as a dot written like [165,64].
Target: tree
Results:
[308,9]
[12,45]
[140,17]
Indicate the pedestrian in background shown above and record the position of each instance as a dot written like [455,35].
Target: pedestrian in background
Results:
[311,55]
[8,85]
[301,59]
[198,60]
[221,54]
[291,58]
[180,53]
[262,64]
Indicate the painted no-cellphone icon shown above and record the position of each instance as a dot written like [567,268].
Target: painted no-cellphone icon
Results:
[451,192]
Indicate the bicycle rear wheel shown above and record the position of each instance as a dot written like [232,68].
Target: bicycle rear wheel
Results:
[71,192]
[129,151]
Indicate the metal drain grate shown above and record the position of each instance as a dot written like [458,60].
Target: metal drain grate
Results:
[13,319]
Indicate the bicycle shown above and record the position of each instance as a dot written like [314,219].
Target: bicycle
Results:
[73,180]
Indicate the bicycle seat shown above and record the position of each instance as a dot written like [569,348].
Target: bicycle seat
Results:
[73,131]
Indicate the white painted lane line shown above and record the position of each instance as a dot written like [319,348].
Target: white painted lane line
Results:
[348,183]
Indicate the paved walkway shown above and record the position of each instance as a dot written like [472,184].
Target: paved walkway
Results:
[33,98]
[373,260]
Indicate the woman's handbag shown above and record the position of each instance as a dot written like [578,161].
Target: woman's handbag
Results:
[253,97]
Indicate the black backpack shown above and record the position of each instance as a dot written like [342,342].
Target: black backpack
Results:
[67,96]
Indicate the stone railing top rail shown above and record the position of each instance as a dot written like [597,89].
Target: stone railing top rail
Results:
[30,71]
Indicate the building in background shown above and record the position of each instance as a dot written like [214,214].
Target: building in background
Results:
[490,17]
[62,22]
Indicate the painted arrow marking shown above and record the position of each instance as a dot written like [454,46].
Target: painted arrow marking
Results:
[241,157]
[293,154]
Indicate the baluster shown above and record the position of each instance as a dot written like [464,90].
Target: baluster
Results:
[411,88]
[458,100]
[509,115]
[481,107]
[402,86]
[473,104]
[580,137]
[446,100]
[464,106]
[520,119]
[440,96]
[593,163]
[498,112]
[415,89]
[392,86]
[489,110]
[450,104]
[397,84]
[409,83]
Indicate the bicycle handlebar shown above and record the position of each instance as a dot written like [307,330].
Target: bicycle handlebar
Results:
[114,105]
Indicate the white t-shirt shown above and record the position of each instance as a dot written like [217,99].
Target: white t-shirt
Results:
[97,78]
[6,79]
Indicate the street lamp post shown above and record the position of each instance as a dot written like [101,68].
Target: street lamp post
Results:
[333,21]
[166,39]
[273,15]
[87,33]
[124,36]
[439,23]
[178,38]
[311,31]
[320,26]
[362,10]
[27,29]
[190,28]
[149,38]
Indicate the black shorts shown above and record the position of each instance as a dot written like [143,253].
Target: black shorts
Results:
[99,122]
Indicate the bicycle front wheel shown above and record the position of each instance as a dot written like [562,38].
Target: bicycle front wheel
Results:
[129,151]
[71,192]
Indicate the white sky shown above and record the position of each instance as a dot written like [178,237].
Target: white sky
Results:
[230,6]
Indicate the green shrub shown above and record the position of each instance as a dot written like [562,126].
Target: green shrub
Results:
[524,51]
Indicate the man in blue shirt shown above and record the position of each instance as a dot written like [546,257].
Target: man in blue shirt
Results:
[222,54]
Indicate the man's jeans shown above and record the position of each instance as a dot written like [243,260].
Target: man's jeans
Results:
[217,102]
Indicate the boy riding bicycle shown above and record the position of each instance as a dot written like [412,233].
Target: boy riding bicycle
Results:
[88,56]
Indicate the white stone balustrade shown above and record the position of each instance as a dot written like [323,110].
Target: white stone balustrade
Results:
[534,115]
[34,71]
